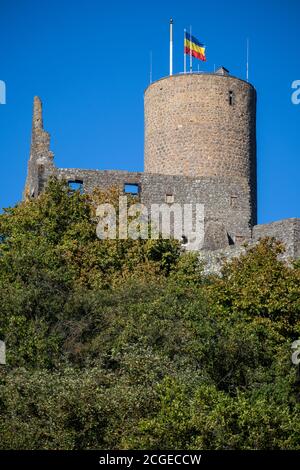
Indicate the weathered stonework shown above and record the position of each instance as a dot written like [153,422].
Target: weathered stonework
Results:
[214,193]
[202,125]
[200,148]
[287,231]
[40,164]
[214,260]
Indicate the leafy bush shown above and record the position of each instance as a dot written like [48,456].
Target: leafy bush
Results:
[124,344]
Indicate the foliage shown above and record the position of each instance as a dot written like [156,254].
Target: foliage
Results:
[125,344]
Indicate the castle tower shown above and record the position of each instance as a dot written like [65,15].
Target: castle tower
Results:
[40,164]
[202,125]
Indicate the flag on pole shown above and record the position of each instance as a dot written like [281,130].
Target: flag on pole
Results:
[194,47]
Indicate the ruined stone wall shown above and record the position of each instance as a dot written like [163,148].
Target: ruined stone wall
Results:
[200,147]
[287,231]
[103,179]
[40,164]
[225,200]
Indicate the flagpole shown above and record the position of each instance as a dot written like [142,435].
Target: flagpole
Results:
[184,54]
[191,59]
[247,66]
[151,60]
[171,46]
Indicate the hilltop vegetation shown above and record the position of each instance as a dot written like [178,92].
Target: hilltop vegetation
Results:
[125,344]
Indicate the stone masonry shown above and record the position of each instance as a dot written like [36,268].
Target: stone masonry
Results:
[40,164]
[200,147]
[202,125]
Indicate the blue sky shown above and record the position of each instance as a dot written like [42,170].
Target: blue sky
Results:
[89,62]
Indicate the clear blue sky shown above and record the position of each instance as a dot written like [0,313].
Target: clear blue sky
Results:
[89,62]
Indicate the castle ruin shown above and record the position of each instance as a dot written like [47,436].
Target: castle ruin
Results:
[200,147]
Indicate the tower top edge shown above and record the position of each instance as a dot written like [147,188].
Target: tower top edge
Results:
[199,74]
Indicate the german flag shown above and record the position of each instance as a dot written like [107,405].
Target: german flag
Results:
[194,47]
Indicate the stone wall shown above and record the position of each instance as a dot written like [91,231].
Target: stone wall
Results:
[40,164]
[287,231]
[225,200]
[191,129]
[213,261]
[103,179]
[202,125]
[214,193]
[200,148]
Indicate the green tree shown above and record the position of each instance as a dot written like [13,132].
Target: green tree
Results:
[123,344]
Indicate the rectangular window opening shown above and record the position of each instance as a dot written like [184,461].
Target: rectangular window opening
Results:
[76,185]
[132,189]
[233,202]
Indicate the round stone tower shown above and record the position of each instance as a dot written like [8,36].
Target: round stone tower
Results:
[202,124]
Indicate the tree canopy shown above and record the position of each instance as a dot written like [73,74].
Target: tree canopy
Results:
[126,344]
